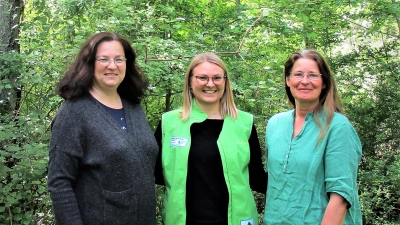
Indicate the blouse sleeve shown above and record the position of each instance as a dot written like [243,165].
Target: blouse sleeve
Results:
[65,154]
[257,174]
[158,171]
[342,156]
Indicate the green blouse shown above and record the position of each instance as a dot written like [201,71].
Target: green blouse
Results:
[302,173]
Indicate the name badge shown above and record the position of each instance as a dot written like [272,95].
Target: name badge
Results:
[178,142]
[247,222]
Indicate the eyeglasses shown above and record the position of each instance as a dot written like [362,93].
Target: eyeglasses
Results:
[311,76]
[107,61]
[203,80]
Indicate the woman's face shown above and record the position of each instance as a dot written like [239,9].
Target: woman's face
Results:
[208,92]
[306,92]
[109,75]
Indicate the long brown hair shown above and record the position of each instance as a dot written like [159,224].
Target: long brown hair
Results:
[329,101]
[79,78]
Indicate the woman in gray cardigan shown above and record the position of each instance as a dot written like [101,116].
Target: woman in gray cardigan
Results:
[102,150]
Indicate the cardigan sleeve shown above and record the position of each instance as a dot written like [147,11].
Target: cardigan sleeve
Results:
[66,146]
[257,175]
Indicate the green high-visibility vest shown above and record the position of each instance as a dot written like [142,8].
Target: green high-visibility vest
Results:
[234,149]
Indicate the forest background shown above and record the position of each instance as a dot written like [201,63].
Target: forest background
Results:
[360,38]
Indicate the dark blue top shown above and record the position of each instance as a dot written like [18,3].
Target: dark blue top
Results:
[118,115]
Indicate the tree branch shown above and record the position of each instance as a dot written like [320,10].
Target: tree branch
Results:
[366,28]
[43,218]
[249,29]
[237,52]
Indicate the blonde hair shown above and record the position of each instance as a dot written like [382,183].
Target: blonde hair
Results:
[329,98]
[227,104]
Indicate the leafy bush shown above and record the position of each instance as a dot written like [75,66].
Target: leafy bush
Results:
[379,186]
[23,149]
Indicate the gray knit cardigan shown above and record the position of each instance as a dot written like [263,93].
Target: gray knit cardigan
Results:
[99,173]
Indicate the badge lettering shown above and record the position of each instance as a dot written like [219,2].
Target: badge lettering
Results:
[178,142]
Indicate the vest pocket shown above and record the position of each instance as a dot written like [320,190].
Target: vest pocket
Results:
[120,208]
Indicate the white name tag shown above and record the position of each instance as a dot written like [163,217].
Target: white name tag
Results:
[247,222]
[178,141]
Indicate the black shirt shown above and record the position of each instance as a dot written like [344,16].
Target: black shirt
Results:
[206,191]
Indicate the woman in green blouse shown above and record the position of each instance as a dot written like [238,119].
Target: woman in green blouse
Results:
[313,151]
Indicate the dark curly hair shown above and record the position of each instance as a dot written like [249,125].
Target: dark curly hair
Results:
[79,78]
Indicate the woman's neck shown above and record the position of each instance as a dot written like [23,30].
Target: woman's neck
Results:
[212,110]
[303,109]
[110,99]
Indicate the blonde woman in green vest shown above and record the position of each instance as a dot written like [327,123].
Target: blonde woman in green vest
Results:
[210,157]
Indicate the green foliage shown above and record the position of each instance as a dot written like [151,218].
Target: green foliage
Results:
[379,185]
[359,38]
[23,145]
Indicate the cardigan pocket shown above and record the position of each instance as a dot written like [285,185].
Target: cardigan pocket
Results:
[120,208]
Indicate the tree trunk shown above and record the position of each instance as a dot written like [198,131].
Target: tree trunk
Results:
[397,20]
[237,6]
[307,29]
[10,14]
